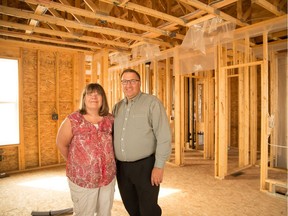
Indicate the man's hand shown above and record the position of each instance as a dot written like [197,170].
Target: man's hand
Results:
[157,176]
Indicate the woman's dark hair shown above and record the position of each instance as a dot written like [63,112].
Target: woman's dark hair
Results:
[92,87]
[129,70]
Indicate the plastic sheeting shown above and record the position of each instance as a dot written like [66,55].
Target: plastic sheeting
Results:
[119,59]
[145,51]
[197,48]
[192,62]
[208,33]
[148,51]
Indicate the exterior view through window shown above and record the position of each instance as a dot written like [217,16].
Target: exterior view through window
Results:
[9,107]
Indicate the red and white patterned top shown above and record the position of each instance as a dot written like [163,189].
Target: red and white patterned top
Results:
[91,161]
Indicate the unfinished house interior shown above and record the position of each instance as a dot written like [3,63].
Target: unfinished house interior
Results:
[219,67]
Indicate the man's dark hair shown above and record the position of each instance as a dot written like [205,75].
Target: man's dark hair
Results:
[129,70]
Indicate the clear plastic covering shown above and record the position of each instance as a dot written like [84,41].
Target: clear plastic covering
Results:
[208,33]
[119,59]
[148,51]
[192,62]
[197,48]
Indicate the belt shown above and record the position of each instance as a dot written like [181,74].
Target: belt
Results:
[152,155]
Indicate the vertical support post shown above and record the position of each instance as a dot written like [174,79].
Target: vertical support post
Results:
[155,77]
[208,116]
[104,66]
[57,99]
[274,106]
[241,114]
[246,122]
[21,148]
[147,78]
[222,119]
[80,82]
[253,114]
[179,150]
[94,63]
[191,112]
[168,88]
[264,114]
[38,108]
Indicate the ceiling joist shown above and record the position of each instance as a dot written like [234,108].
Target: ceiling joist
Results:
[124,24]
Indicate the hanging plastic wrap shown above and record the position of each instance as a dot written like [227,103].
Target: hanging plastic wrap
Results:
[119,58]
[148,51]
[197,48]
[208,33]
[194,39]
[196,61]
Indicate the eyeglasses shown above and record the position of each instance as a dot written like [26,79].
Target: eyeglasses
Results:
[94,93]
[132,82]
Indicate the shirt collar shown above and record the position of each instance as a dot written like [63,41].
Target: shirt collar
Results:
[133,99]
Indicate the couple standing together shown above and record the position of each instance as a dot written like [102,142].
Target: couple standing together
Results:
[135,141]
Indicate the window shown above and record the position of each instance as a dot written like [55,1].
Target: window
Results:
[9,107]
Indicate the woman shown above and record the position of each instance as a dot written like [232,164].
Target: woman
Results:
[85,141]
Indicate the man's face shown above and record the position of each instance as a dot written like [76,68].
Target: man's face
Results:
[130,84]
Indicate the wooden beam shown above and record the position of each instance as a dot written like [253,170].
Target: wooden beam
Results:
[61,34]
[168,89]
[239,9]
[257,29]
[52,41]
[85,13]
[81,26]
[268,6]
[212,10]
[100,7]
[274,95]
[76,16]
[199,20]
[247,54]
[219,4]
[38,109]
[194,15]
[56,14]
[264,114]
[57,98]
[21,148]
[39,10]
[123,2]
[253,113]
[221,115]
[148,11]
[179,149]
[211,117]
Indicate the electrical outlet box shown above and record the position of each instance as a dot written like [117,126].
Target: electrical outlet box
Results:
[54,116]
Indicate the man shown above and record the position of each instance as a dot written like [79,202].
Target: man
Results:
[142,144]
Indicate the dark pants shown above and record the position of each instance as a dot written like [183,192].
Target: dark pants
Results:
[140,198]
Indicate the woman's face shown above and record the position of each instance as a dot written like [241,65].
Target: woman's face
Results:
[130,84]
[93,100]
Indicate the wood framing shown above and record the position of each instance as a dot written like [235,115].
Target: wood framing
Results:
[234,103]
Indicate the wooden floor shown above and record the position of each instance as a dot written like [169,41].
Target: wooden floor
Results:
[187,190]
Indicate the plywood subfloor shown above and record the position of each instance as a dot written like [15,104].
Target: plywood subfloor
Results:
[187,190]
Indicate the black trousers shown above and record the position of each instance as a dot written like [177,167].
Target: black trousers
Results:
[140,198]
